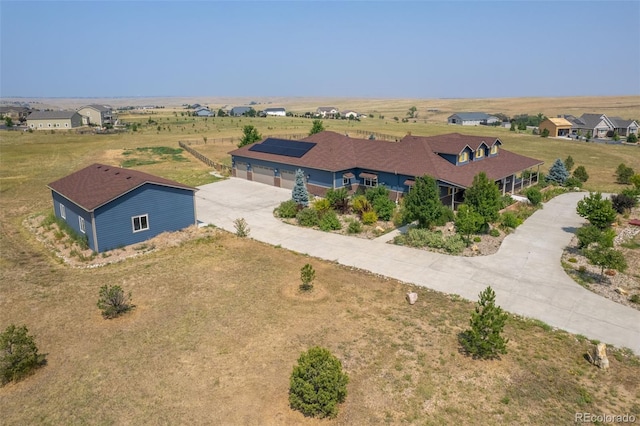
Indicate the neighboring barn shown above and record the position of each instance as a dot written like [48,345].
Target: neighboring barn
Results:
[203,112]
[54,120]
[115,207]
[239,111]
[472,119]
[556,126]
[281,112]
[332,160]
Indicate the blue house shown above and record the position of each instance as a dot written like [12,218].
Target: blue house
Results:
[333,160]
[115,207]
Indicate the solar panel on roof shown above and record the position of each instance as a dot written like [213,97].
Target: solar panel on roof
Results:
[283,147]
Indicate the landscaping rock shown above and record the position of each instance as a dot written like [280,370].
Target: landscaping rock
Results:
[622,291]
[599,357]
[412,297]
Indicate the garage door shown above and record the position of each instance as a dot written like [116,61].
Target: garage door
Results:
[287,179]
[241,170]
[263,174]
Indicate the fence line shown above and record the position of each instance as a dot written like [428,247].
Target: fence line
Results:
[209,162]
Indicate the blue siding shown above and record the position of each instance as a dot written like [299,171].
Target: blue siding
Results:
[317,177]
[168,209]
[73,213]
[452,158]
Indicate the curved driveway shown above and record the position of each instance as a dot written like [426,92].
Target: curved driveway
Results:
[525,273]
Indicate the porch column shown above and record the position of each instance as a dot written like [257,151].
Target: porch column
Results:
[513,182]
[453,197]
[504,186]
[522,180]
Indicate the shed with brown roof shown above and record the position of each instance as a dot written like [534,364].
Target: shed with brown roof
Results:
[113,207]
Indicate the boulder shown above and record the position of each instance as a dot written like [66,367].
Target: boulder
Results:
[599,357]
[622,291]
[412,297]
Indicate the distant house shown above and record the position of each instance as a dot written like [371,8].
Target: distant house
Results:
[16,113]
[557,126]
[114,207]
[239,111]
[99,115]
[54,120]
[275,111]
[624,127]
[327,112]
[349,114]
[203,112]
[472,119]
[332,160]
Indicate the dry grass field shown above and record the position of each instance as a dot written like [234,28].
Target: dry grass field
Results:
[219,321]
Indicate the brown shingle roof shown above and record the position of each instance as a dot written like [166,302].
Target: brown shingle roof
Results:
[98,184]
[412,156]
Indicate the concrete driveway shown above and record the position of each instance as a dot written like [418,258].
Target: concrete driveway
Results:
[525,273]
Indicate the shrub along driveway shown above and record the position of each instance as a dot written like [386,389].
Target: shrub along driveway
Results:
[525,273]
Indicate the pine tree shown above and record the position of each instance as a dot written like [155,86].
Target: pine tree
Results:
[317,127]
[485,198]
[484,339]
[558,173]
[468,221]
[423,203]
[300,194]
[569,163]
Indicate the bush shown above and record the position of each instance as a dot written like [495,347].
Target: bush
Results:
[477,239]
[339,199]
[330,222]
[446,215]
[420,237]
[360,204]
[19,355]
[624,174]
[369,217]
[534,196]
[484,339]
[113,302]
[287,209]
[632,138]
[622,202]
[509,220]
[322,206]
[454,244]
[379,199]
[317,384]
[307,275]
[590,234]
[355,227]
[494,232]
[581,173]
[308,217]
[242,228]
[573,182]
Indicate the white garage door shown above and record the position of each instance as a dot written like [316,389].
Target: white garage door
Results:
[287,179]
[241,170]
[263,174]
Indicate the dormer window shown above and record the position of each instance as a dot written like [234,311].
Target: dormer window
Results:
[463,157]
[494,149]
[480,152]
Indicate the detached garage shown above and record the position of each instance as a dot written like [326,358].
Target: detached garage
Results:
[116,207]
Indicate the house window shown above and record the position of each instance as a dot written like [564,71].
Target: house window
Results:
[66,124]
[463,157]
[371,182]
[494,149]
[63,211]
[346,181]
[49,124]
[81,222]
[140,223]
[479,153]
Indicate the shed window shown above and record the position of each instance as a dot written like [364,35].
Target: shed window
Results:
[140,223]
[479,152]
[63,211]
[463,157]
[81,223]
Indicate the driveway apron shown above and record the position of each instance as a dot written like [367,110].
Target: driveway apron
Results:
[525,273]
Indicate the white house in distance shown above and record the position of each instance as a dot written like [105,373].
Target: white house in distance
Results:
[281,112]
[472,119]
[325,112]
[54,120]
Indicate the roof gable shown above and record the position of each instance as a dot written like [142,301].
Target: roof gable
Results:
[99,184]
[51,115]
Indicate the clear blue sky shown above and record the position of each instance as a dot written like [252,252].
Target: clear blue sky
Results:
[393,49]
